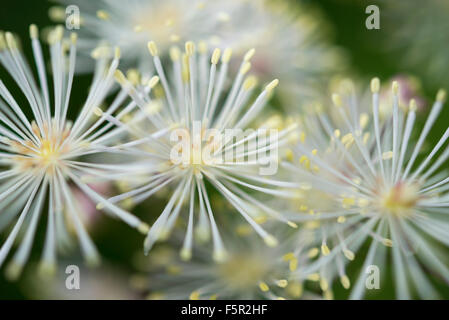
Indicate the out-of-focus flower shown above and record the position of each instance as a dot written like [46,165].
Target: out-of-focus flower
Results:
[251,271]
[187,136]
[291,40]
[420,33]
[379,185]
[41,159]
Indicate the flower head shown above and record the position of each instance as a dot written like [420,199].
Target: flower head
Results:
[251,271]
[191,135]
[379,184]
[43,159]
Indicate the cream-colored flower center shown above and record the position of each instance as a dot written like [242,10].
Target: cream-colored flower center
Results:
[243,271]
[400,199]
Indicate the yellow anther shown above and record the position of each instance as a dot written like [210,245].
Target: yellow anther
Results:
[387,242]
[202,47]
[336,99]
[153,81]
[185,254]
[312,253]
[328,295]
[10,40]
[249,54]
[348,202]
[195,295]
[117,53]
[349,254]
[143,228]
[175,53]
[412,107]
[103,15]
[337,133]
[295,289]
[138,28]
[325,250]
[152,48]
[293,264]
[363,121]
[282,283]
[133,76]
[324,285]
[263,286]
[73,37]
[250,83]
[375,85]
[313,277]
[270,241]
[395,87]
[441,95]
[98,112]
[245,68]
[387,155]
[215,56]
[288,256]
[120,77]
[226,55]
[292,224]
[34,33]
[190,48]
[273,84]
[345,281]
[341,219]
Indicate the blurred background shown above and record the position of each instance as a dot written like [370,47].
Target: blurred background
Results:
[419,53]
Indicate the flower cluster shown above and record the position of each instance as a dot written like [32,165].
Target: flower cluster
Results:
[264,194]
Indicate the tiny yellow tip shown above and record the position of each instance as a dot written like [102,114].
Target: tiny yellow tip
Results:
[103,15]
[325,250]
[336,99]
[270,241]
[175,53]
[152,48]
[226,55]
[215,56]
[98,112]
[120,77]
[273,84]
[73,37]
[263,286]
[153,81]
[34,32]
[245,68]
[441,95]
[412,106]
[190,48]
[395,87]
[143,228]
[117,53]
[249,54]
[345,281]
[387,242]
[292,224]
[250,83]
[375,85]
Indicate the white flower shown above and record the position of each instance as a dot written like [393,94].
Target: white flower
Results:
[41,160]
[290,39]
[379,184]
[193,106]
[251,271]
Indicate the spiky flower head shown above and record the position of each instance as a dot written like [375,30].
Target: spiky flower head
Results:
[251,271]
[192,135]
[381,184]
[42,159]
[291,40]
